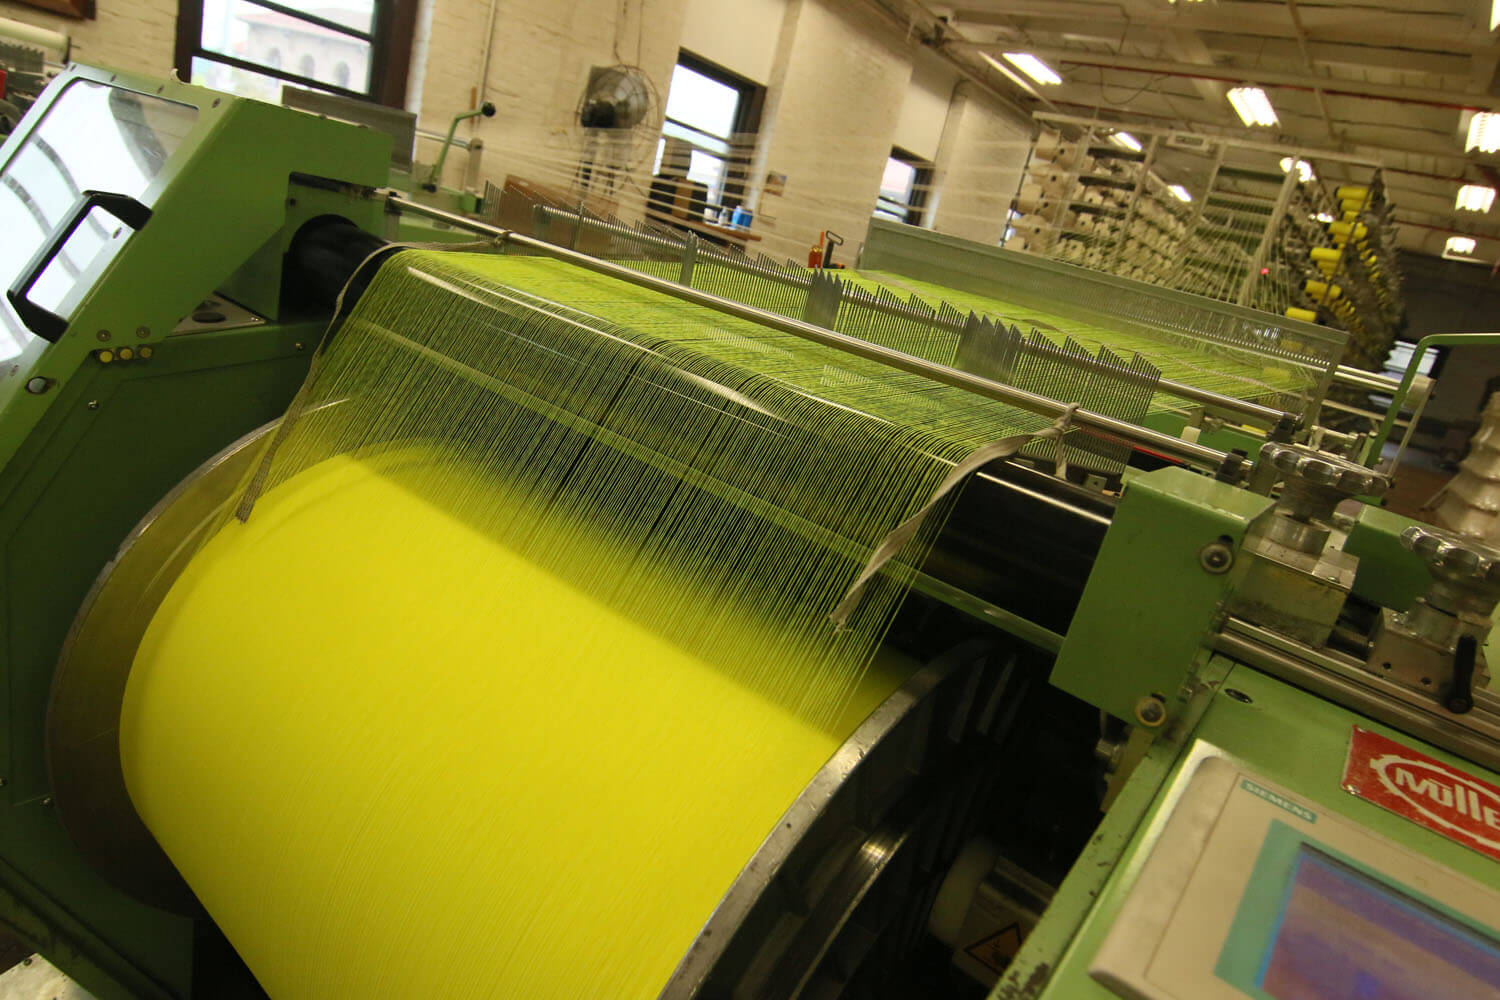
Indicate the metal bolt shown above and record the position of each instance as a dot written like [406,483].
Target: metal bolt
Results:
[298,345]
[1150,711]
[102,335]
[47,801]
[143,332]
[38,385]
[1107,752]
[126,353]
[105,356]
[145,351]
[1216,557]
[93,404]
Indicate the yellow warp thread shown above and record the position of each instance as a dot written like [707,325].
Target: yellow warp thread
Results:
[523,649]
[1216,367]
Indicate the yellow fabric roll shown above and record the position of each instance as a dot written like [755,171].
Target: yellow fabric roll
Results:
[373,777]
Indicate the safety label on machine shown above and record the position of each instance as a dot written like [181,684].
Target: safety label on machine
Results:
[1425,790]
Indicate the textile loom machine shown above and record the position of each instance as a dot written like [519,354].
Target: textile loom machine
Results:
[387,621]
[1227,372]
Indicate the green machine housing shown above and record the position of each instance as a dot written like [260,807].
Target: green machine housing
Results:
[154,218]
[178,267]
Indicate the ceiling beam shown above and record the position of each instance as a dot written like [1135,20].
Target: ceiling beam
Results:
[1452,64]
[1261,77]
[1341,25]
[1190,48]
[1364,141]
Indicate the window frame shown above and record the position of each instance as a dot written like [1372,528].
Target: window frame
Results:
[912,211]
[390,36]
[752,97]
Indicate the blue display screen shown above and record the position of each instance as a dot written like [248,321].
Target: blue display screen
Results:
[1342,935]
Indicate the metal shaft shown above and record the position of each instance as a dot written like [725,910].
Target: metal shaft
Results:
[1096,424]
[1267,416]
[1361,379]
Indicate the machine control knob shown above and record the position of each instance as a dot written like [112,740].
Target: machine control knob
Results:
[1314,483]
[1465,571]
[1324,470]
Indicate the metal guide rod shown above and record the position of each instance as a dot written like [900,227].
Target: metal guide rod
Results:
[1359,378]
[1268,416]
[1377,442]
[1094,423]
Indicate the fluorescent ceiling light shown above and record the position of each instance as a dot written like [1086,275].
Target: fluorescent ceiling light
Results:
[1494,15]
[1475,197]
[1304,169]
[1484,132]
[1125,141]
[1033,67]
[1322,217]
[1460,244]
[1253,106]
[1009,74]
[1179,192]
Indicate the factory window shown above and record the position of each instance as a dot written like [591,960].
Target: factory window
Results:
[709,131]
[242,46]
[903,188]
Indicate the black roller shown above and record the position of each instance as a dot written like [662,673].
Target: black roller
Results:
[319,263]
[1023,541]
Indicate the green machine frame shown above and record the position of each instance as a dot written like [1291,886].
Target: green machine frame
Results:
[1126,656]
[89,441]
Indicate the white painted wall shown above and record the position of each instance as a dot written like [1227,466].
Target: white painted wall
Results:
[843,87]
[133,35]
[919,129]
[541,53]
[740,35]
[831,111]
[979,169]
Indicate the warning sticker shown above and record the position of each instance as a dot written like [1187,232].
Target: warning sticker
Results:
[1425,790]
[996,951]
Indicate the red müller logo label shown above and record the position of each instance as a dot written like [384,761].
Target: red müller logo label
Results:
[1441,797]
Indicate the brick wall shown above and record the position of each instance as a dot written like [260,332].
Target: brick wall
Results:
[834,98]
[979,168]
[841,90]
[133,35]
[539,66]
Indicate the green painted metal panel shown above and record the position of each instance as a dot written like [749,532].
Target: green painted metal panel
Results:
[1149,605]
[220,198]
[1223,438]
[118,437]
[1389,574]
[1292,738]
